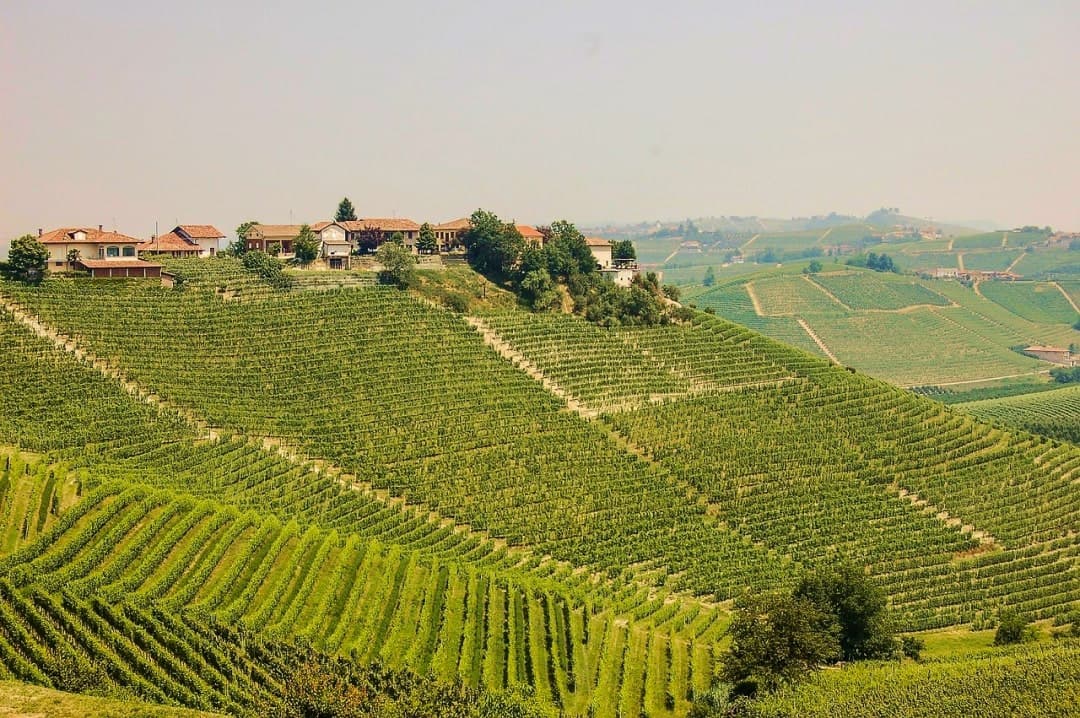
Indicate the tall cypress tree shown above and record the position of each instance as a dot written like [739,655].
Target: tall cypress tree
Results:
[345,211]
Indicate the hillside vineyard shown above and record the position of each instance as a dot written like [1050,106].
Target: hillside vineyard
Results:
[390,480]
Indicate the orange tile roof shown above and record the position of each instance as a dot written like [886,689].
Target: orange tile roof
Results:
[171,242]
[387,224]
[597,242]
[268,231]
[1045,349]
[455,224]
[201,231]
[65,235]
[529,232]
[116,263]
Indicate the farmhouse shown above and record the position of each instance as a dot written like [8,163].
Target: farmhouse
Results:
[1057,355]
[187,240]
[272,238]
[101,253]
[363,233]
[448,234]
[334,246]
[601,251]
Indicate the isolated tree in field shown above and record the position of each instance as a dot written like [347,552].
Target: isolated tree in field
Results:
[426,242]
[306,245]
[345,211]
[775,639]
[28,258]
[857,606]
[813,268]
[238,247]
[623,249]
[710,277]
[1012,628]
[399,265]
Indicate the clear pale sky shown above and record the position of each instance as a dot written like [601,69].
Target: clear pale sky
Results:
[125,113]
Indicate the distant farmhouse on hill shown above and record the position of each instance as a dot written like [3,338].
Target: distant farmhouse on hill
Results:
[187,240]
[100,253]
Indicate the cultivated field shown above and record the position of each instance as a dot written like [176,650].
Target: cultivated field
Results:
[504,500]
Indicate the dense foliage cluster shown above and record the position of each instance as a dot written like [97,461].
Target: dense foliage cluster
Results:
[496,249]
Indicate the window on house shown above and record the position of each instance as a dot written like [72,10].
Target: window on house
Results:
[129,251]
[112,251]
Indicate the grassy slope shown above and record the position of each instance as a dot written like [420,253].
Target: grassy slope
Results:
[24,699]
[1037,681]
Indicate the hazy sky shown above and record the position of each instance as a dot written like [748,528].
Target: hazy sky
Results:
[214,112]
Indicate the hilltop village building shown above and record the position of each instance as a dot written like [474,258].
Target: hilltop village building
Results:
[100,253]
[187,240]
[111,254]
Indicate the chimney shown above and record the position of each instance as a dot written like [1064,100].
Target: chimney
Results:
[99,228]
[39,231]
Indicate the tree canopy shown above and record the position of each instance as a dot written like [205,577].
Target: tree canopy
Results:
[345,211]
[426,242]
[858,607]
[399,265]
[27,258]
[623,249]
[306,245]
[492,246]
[238,247]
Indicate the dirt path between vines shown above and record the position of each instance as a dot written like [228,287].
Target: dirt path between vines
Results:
[828,294]
[754,299]
[505,350]
[817,340]
[272,444]
[1067,297]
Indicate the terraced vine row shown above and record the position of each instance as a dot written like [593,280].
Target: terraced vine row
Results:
[955,516]
[139,552]
[1054,413]
[455,427]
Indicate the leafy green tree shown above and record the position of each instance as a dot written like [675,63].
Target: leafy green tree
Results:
[813,268]
[623,249]
[399,265]
[567,251]
[492,246]
[73,256]
[1012,628]
[710,277]
[538,290]
[28,259]
[775,639]
[397,238]
[345,211]
[238,247]
[672,292]
[426,243]
[857,606]
[306,245]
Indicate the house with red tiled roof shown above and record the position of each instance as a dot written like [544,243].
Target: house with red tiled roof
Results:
[368,231]
[187,240]
[448,234]
[101,253]
[272,238]
[531,235]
